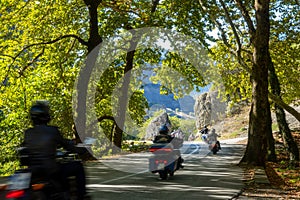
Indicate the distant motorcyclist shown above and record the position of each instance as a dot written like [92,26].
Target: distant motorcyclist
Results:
[164,137]
[203,132]
[41,143]
[213,137]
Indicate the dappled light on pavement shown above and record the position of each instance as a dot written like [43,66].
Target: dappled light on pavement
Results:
[203,177]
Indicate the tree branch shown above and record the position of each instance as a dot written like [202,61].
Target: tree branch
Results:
[117,9]
[154,5]
[252,31]
[80,40]
[247,18]
[239,46]
[224,39]
[213,18]
[21,72]
[283,105]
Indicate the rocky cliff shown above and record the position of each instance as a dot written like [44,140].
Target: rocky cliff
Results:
[155,124]
[209,108]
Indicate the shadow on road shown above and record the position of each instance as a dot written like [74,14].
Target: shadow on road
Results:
[208,177]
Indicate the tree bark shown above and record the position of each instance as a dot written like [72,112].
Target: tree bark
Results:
[123,99]
[260,115]
[284,129]
[85,73]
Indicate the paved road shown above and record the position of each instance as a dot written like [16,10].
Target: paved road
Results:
[205,176]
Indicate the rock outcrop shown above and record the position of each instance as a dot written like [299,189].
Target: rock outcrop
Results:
[155,124]
[209,109]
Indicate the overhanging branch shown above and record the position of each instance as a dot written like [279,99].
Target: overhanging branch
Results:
[237,53]
[80,40]
[21,72]
[283,105]
[237,38]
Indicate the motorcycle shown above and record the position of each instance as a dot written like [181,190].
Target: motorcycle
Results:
[21,186]
[27,184]
[165,159]
[214,147]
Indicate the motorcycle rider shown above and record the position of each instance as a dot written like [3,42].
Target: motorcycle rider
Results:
[164,137]
[41,142]
[213,137]
[203,132]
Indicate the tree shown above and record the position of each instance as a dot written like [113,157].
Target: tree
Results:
[281,37]
[241,37]
[50,43]
[237,38]
[144,15]
[288,36]
[260,116]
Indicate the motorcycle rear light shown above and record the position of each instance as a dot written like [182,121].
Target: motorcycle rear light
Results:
[153,149]
[160,161]
[166,149]
[15,194]
[160,150]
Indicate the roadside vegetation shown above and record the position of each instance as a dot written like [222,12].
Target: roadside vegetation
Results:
[284,179]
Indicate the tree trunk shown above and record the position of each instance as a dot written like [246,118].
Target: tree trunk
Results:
[260,115]
[85,73]
[288,139]
[284,129]
[123,98]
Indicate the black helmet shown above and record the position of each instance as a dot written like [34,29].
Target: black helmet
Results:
[163,129]
[39,112]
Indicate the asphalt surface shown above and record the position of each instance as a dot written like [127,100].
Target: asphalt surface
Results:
[204,176]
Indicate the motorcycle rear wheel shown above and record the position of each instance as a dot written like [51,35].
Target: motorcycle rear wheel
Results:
[163,175]
[214,150]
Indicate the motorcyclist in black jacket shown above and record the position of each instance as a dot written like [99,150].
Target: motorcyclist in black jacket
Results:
[41,143]
[164,137]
